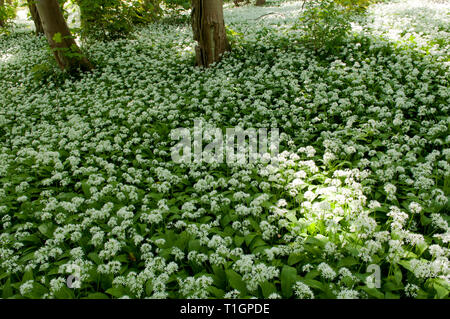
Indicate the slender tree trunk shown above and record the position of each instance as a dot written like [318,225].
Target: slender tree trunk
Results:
[209,31]
[2,6]
[260,2]
[67,53]
[35,16]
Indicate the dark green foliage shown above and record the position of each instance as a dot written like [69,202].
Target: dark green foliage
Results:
[106,19]
[113,19]
[325,24]
[8,12]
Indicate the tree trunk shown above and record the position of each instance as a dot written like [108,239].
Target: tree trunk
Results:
[2,6]
[260,2]
[209,31]
[35,16]
[67,53]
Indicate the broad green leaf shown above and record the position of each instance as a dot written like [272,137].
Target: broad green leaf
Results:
[46,229]
[38,291]
[86,188]
[95,258]
[406,264]
[294,258]
[288,279]
[398,274]
[238,241]
[194,244]
[7,289]
[347,262]
[216,292]
[249,239]
[148,288]
[373,292]
[236,282]
[64,293]
[390,295]
[220,277]
[267,288]
[312,283]
[28,275]
[116,292]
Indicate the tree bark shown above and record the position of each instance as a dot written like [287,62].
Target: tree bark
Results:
[2,6]
[35,16]
[67,53]
[209,31]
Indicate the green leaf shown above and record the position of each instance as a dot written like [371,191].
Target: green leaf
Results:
[291,216]
[116,292]
[38,291]
[311,228]
[406,264]
[398,275]
[194,244]
[260,249]
[238,241]
[28,275]
[86,188]
[218,293]
[318,241]
[258,242]
[57,37]
[67,196]
[122,258]
[288,279]
[7,289]
[312,274]
[46,229]
[390,295]
[373,292]
[392,285]
[294,258]
[422,294]
[95,258]
[347,262]
[236,282]
[267,288]
[148,288]
[32,239]
[97,295]
[220,278]
[425,221]
[182,240]
[442,293]
[312,283]
[64,293]
[249,239]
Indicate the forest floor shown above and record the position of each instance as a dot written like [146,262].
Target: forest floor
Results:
[89,187]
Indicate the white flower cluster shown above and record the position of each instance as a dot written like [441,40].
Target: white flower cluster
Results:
[361,177]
